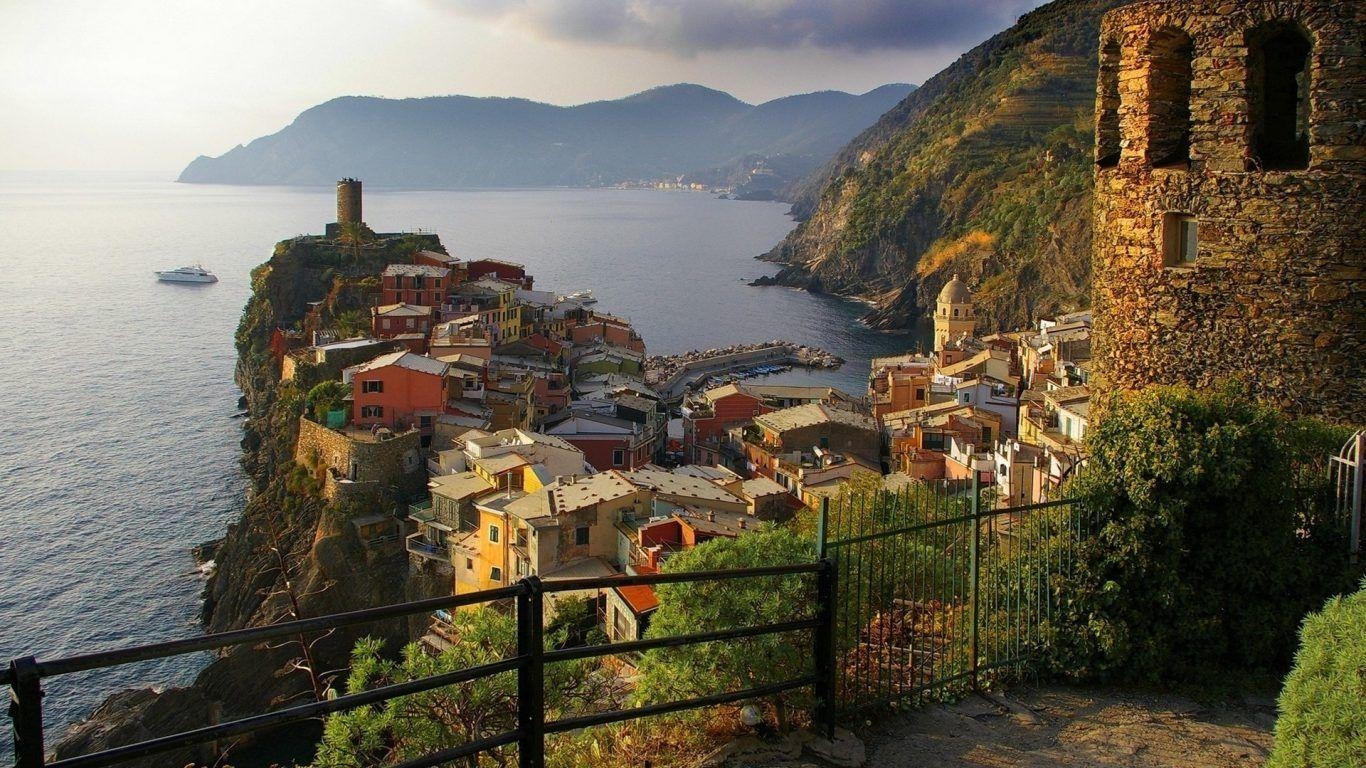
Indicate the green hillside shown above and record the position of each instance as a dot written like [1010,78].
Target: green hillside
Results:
[984,171]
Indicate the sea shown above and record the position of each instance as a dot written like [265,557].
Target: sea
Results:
[119,444]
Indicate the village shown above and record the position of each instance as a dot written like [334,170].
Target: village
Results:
[493,430]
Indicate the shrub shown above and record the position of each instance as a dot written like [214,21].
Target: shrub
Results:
[674,674]
[1204,553]
[1323,705]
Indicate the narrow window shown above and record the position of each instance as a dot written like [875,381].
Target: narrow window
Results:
[1278,96]
[1107,121]
[581,536]
[1180,239]
[495,574]
[493,534]
[618,457]
[469,564]
[1169,97]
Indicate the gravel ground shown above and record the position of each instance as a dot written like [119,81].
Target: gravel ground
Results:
[1070,727]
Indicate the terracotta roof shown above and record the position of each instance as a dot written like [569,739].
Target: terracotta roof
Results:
[640,597]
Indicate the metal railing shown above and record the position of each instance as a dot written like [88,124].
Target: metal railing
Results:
[25,675]
[938,594]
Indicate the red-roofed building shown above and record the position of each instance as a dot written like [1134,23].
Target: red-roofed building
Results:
[420,284]
[399,390]
[627,612]
[503,270]
[707,417]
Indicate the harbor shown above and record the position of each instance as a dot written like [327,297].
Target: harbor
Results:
[672,376]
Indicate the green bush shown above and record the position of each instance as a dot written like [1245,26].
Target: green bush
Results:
[674,674]
[1323,705]
[1205,549]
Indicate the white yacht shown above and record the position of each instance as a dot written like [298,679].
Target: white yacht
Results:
[194,274]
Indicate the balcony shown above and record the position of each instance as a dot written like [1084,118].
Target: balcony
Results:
[418,545]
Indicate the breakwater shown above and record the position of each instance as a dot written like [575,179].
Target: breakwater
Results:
[672,375]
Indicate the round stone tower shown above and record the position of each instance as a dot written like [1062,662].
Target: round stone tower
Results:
[953,313]
[1229,203]
[348,202]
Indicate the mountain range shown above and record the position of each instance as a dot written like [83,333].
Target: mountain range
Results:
[464,141]
[985,171]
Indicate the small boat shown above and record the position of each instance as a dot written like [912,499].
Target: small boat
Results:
[192,274]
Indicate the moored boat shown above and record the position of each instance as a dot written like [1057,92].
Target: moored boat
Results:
[191,274]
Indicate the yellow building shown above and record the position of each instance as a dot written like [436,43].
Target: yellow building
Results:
[953,315]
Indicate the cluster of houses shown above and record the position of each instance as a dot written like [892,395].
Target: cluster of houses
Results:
[1010,407]
[526,442]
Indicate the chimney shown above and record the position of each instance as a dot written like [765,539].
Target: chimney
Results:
[711,516]
[742,523]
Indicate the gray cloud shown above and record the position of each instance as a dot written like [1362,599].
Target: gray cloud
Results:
[689,26]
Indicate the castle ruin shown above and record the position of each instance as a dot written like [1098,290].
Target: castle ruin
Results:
[1230,148]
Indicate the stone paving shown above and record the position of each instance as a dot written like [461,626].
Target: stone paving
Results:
[1061,726]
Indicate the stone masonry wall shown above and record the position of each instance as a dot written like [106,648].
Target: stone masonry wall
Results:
[1277,292]
[396,462]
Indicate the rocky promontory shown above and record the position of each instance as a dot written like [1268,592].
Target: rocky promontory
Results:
[288,545]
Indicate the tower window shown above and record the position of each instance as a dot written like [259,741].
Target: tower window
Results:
[1180,239]
[1107,121]
[1278,96]
[1169,98]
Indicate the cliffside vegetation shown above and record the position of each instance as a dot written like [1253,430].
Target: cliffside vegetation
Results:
[984,171]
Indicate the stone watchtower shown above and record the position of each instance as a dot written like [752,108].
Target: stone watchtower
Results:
[953,315]
[348,206]
[1229,235]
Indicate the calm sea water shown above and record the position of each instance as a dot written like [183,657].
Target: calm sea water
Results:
[119,452]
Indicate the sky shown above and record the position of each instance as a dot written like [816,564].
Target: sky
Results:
[147,85]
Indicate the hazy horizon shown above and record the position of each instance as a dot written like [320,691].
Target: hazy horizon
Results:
[146,85]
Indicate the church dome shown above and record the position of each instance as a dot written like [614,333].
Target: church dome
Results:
[955,292]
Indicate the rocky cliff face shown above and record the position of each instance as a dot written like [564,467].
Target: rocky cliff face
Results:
[984,171]
[327,568]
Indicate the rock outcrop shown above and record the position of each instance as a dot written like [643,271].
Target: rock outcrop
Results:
[984,171]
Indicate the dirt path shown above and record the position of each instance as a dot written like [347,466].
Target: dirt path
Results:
[1055,726]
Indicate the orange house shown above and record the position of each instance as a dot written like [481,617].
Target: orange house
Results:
[399,390]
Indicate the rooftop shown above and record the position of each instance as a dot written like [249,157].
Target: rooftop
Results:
[640,597]
[414,270]
[408,360]
[679,485]
[812,414]
[460,486]
[581,493]
[402,310]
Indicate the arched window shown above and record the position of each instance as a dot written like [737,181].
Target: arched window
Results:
[1278,95]
[1169,98]
[1107,122]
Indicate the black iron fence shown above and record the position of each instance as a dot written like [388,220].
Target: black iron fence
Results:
[938,592]
[25,676]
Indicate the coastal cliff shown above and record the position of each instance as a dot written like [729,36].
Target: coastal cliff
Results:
[289,545]
[984,171]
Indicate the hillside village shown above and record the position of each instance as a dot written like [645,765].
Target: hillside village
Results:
[495,430]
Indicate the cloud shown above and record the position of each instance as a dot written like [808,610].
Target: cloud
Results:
[690,26]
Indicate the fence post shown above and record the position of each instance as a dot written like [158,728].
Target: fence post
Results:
[822,527]
[531,675]
[26,711]
[824,652]
[974,571]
